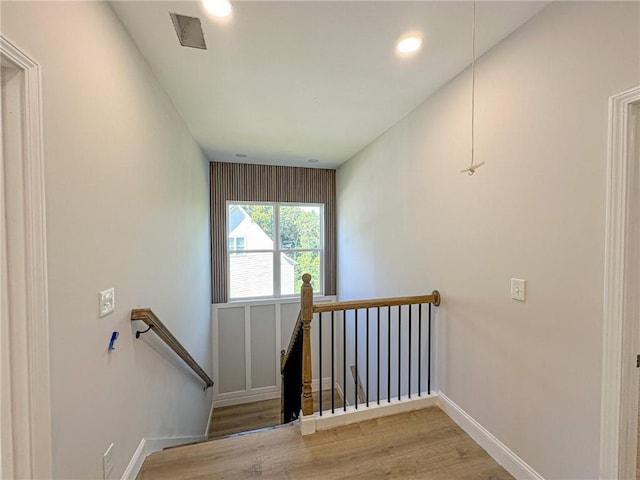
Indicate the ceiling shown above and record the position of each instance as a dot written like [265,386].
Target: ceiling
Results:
[288,81]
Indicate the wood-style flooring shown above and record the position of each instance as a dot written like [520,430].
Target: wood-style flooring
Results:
[424,444]
[253,416]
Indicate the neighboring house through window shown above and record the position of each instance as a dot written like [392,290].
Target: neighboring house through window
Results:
[270,246]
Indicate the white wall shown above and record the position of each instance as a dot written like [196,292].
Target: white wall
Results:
[528,372]
[127,206]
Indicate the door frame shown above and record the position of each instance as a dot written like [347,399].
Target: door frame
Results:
[619,425]
[27,451]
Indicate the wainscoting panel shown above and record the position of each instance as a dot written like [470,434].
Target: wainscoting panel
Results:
[231,328]
[264,371]
[247,338]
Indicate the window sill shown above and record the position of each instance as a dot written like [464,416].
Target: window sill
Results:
[272,301]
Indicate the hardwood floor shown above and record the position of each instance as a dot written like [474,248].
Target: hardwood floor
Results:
[424,444]
[241,418]
[252,416]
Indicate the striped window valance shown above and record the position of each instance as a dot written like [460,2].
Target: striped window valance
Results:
[268,183]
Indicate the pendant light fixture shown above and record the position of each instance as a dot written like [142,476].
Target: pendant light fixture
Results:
[471,169]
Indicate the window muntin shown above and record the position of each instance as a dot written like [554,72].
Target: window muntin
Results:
[268,264]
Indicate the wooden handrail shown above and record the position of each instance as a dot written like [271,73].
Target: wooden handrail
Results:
[380,302]
[352,305]
[147,316]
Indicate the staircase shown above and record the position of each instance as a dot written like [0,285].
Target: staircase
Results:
[377,355]
[420,444]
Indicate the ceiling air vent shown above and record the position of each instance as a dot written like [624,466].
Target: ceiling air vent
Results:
[189,31]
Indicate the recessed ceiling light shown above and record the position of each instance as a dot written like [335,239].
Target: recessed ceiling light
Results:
[409,43]
[218,8]
[313,160]
[241,155]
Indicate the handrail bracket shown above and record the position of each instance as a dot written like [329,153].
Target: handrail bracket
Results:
[140,332]
[147,316]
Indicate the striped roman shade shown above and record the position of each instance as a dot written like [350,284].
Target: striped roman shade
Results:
[268,183]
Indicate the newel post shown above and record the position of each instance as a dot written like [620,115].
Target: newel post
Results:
[306,293]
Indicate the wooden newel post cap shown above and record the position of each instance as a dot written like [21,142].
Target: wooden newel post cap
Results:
[306,279]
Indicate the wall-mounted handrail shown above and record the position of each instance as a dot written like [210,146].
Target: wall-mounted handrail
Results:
[153,322]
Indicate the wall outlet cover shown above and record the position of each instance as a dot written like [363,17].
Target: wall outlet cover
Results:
[107,302]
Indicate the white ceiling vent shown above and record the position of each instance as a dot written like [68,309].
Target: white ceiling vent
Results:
[189,31]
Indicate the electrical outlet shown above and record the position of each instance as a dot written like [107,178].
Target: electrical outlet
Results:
[107,463]
[107,302]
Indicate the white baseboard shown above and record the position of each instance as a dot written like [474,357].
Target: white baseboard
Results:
[157,444]
[341,394]
[494,447]
[259,394]
[147,446]
[326,384]
[352,414]
[132,470]
[206,427]
[245,396]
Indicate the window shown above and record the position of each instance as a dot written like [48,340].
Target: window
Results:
[236,243]
[270,247]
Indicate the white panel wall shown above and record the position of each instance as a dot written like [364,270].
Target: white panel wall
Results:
[529,372]
[247,338]
[263,345]
[127,207]
[231,329]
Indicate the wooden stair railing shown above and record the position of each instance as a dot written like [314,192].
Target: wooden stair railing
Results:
[298,354]
[297,384]
[153,322]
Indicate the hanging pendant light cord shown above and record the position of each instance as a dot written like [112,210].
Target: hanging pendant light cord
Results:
[473,82]
[473,166]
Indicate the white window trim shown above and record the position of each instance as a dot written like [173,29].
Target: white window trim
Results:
[276,251]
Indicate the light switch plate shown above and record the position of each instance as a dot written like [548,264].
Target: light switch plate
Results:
[107,302]
[519,289]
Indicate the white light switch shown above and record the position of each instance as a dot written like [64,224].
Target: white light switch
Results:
[518,289]
[107,302]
